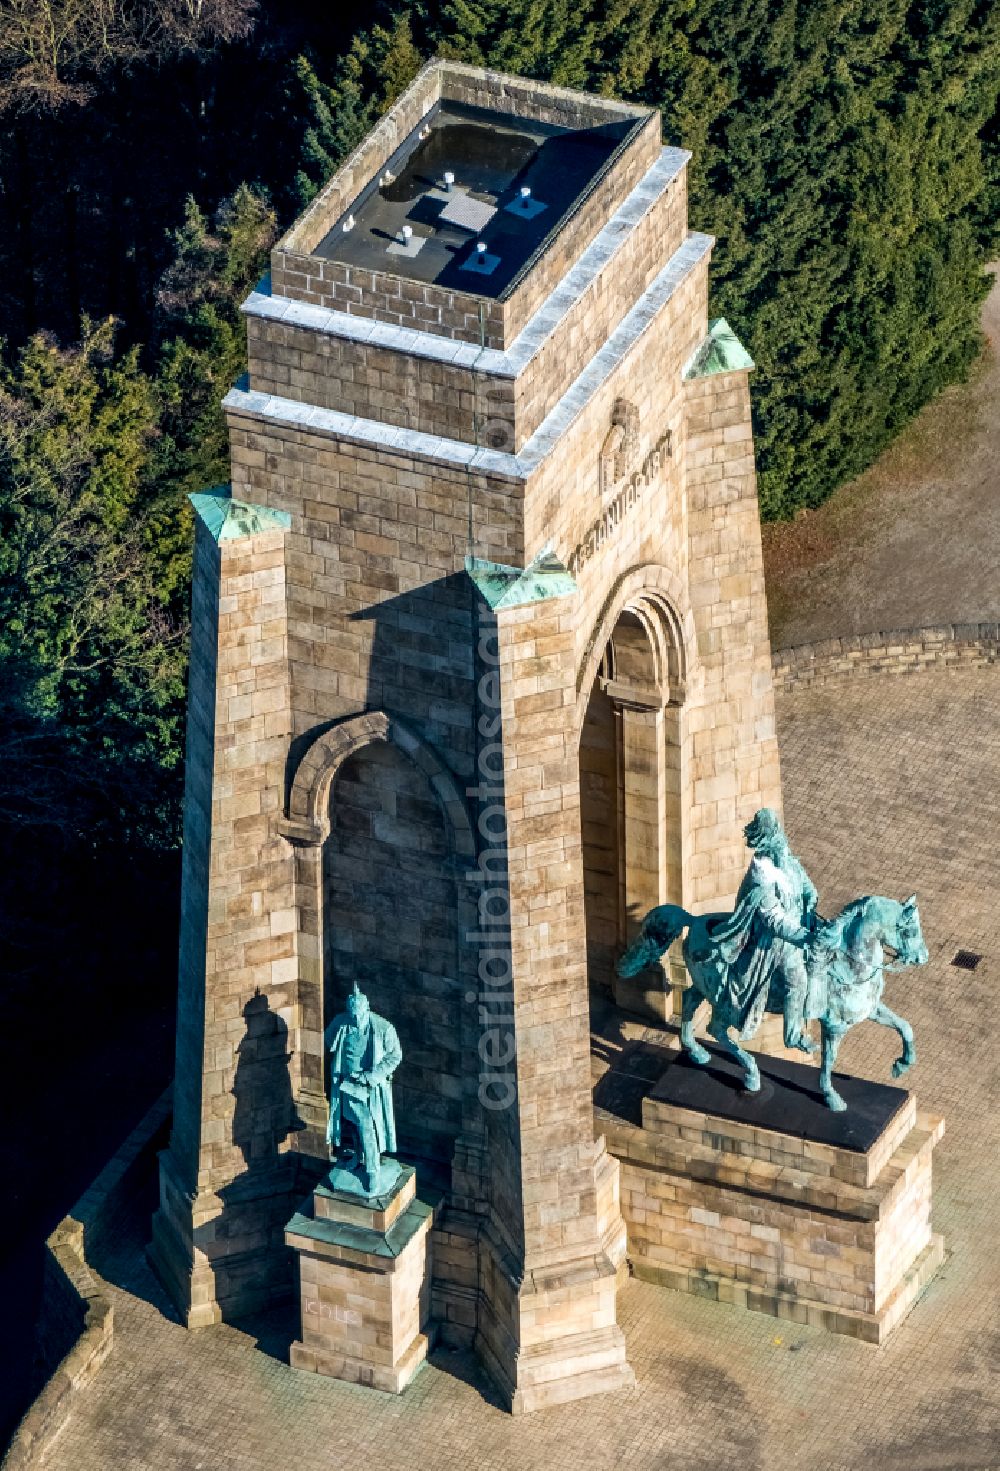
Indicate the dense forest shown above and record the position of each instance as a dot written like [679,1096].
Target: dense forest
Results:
[846,157]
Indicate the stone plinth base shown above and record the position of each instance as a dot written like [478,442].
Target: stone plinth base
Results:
[871,1328]
[773,1202]
[549,1336]
[365,1283]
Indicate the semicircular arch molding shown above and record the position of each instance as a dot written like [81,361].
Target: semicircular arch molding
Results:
[308,818]
[654,594]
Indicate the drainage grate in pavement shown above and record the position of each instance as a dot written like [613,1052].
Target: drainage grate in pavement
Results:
[966,959]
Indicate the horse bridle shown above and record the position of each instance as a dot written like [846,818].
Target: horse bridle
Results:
[891,965]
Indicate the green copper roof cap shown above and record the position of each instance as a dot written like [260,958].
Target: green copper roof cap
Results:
[721,352]
[228,520]
[511,587]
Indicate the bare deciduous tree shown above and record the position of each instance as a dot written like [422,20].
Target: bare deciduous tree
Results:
[52,50]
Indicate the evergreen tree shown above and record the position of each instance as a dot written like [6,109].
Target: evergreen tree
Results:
[379,65]
[96,460]
[846,156]
[551,38]
[199,354]
[90,665]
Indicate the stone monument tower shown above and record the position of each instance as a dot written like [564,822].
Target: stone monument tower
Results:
[479,674]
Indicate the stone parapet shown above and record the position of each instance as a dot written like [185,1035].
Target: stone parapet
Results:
[75,1331]
[462,315]
[899,651]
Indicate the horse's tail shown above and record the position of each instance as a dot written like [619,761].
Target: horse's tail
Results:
[659,930]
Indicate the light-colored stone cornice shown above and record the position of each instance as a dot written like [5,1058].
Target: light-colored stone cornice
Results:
[414,443]
[598,256]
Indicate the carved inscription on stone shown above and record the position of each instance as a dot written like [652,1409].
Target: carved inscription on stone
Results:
[621,503]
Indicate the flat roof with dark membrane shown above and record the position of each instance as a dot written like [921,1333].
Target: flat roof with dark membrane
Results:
[492,159]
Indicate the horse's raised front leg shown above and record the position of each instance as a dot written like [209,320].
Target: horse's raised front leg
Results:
[719,1029]
[831,1046]
[690,1002]
[909,1054]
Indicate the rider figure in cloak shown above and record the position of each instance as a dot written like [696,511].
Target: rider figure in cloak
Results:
[764,941]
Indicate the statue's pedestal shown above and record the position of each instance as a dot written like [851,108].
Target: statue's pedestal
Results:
[773,1202]
[365,1281]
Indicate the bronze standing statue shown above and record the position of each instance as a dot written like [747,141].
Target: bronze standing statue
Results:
[364,1054]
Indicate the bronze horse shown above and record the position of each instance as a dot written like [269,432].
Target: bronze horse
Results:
[846,963]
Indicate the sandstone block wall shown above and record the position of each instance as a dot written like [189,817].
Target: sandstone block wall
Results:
[366,712]
[243,1092]
[358,378]
[387,298]
[734,751]
[819,1235]
[499,398]
[630,163]
[660,231]
[899,651]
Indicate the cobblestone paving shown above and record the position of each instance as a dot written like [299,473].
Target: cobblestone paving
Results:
[888,789]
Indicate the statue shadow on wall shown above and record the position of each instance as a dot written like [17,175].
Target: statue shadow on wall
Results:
[259,1202]
[403,628]
[265,1113]
[410,668]
[633,1067]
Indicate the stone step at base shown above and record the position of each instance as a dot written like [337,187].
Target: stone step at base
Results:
[869,1327]
[393,1379]
[570,1369]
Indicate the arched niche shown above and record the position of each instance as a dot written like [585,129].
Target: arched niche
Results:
[383,841]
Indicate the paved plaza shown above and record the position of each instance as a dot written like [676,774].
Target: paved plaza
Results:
[890,786]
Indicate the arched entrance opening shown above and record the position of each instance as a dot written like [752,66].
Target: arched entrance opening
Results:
[630,783]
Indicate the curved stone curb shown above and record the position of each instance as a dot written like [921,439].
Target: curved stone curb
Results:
[72,1297]
[899,651]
